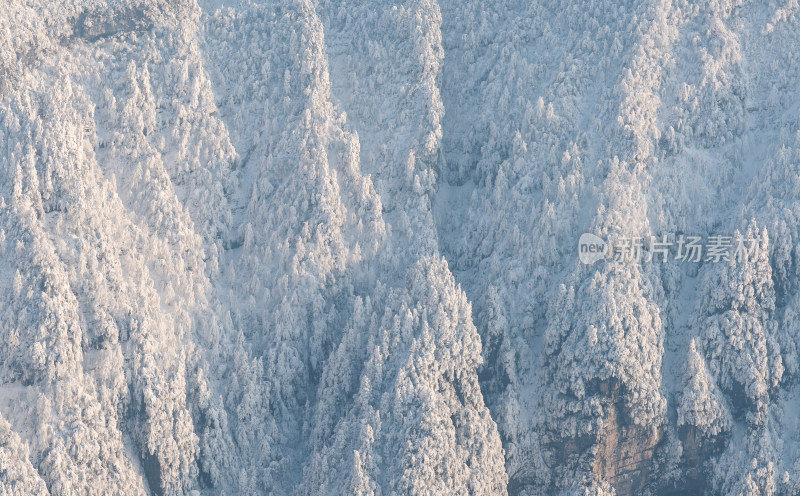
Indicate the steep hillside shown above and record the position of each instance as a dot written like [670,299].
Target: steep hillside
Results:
[323,247]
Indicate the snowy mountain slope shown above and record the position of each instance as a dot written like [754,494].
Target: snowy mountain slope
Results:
[328,247]
[662,130]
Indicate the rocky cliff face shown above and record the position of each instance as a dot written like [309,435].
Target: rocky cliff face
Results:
[625,451]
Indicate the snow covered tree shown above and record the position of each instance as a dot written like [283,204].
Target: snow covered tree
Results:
[701,404]
[414,421]
[17,475]
[736,319]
